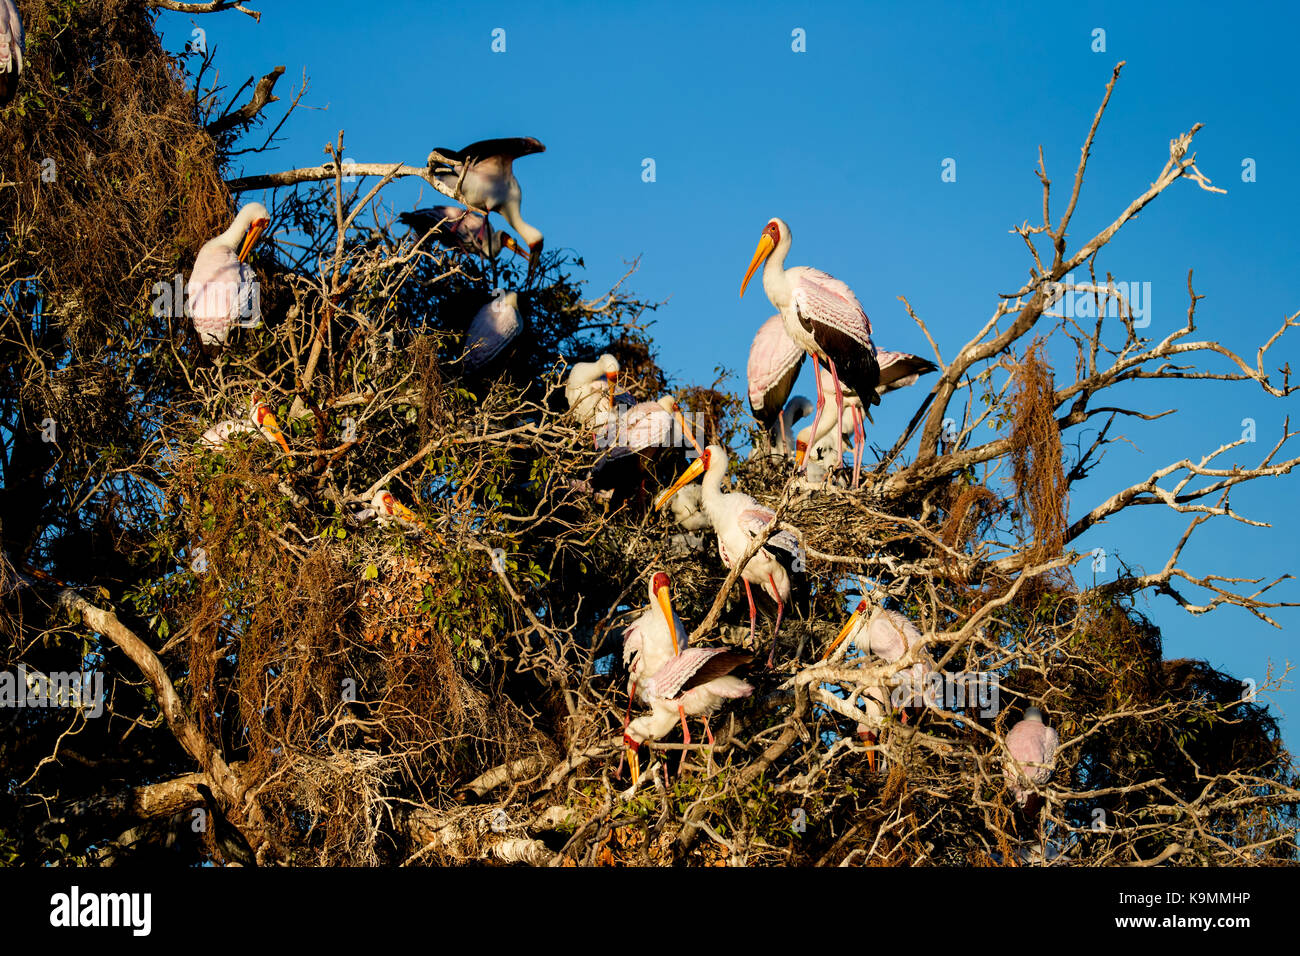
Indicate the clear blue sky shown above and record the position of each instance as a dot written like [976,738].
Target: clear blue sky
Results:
[845,141]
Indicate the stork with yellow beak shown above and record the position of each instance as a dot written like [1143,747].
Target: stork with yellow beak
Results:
[391,512]
[738,519]
[260,419]
[674,680]
[821,315]
[222,289]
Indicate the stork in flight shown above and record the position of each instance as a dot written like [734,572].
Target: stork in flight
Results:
[462,229]
[482,175]
[821,315]
[738,519]
[260,419]
[674,680]
[221,292]
[1032,746]
[12,46]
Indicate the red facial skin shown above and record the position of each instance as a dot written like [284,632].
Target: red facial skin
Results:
[773,233]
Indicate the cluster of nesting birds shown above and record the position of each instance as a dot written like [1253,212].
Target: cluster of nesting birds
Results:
[817,315]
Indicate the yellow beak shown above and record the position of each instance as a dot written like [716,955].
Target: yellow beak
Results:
[272,427]
[765,247]
[845,631]
[612,378]
[509,243]
[681,420]
[635,764]
[800,453]
[693,471]
[666,604]
[254,231]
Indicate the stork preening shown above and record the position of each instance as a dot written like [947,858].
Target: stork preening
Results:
[12,46]
[738,519]
[1032,746]
[482,175]
[674,680]
[222,289]
[390,512]
[496,325]
[260,420]
[592,390]
[821,315]
[463,230]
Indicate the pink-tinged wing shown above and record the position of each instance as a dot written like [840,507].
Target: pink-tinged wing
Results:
[829,310]
[774,364]
[221,294]
[630,430]
[754,521]
[1033,745]
[826,300]
[452,225]
[901,369]
[11,43]
[494,327]
[890,635]
[693,667]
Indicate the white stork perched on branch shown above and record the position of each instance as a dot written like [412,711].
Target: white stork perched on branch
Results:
[222,289]
[821,315]
[738,519]
[1032,746]
[674,680]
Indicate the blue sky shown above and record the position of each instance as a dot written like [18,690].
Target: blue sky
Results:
[845,142]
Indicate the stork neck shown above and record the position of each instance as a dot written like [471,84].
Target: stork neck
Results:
[529,234]
[711,493]
[775,282]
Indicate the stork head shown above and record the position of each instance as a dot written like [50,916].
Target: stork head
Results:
[1034,715]
[508,241]
[251,222]
[696,468]
[847,629]
[266,422]
[661,593]
[633,746]
[801,442]
[774,234]
[869,737]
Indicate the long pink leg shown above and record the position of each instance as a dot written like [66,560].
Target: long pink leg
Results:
[859,441]
[821,403]
[686,738]
[780,609]
[753,612]
[709,735]
[839,407]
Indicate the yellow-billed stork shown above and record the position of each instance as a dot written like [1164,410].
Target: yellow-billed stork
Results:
[1032,746]
[674,680]
[221,292]
[261,419]
[821,315]
[737,520]
[482,175]
[461,229]
[494,327]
